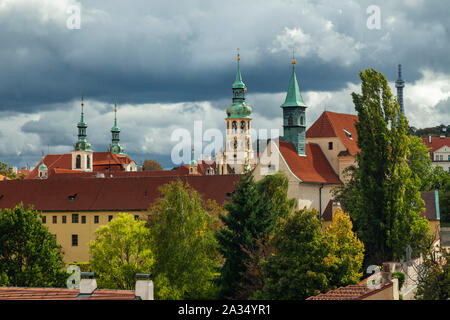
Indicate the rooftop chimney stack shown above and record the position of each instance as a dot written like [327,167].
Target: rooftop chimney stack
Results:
[386,273]
[88,286]
[144,286]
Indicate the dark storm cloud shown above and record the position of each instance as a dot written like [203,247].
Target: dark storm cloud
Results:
[141,51]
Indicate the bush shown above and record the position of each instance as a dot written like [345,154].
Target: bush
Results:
[401,278]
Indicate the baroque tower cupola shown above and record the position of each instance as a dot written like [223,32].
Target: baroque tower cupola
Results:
[238,145]
[82,154]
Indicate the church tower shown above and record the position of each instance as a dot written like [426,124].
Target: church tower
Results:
[400,84]
[238,144]
[294,119]
[82,155]
[115,146]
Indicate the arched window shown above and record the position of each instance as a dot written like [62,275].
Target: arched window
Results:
[88,162]
[235,144]
[78,162]
[301,120]
[234,126]
[290,121]
[242,126]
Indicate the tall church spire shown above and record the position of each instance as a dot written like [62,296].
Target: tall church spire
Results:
[400,84]
[293,96]
[115,146]
[82,144]
[294,119]
[239,109]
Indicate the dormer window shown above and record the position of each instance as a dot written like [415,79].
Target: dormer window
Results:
[349,135]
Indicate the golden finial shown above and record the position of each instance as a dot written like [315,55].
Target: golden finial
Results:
[293,56]
[82,103]
[238,57]
[115,106]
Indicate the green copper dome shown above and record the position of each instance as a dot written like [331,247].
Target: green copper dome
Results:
[82,144]
[115,146]
[43,167]
[239,109]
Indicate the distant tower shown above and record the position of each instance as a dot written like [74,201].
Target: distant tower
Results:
[400,84]
[238,144]
[294,119]
[82,153]
[115,146]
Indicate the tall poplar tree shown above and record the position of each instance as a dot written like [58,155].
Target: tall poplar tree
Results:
[383,196]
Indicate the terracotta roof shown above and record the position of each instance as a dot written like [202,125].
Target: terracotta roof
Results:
[16,293]
[333,124]
[436,143]
[111,194]
[312,168]
[63,163]
[350,292]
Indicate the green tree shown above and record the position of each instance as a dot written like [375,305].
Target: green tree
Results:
[182,237]
[296,270]
[120,250]
[29,254]
[345,252]
[434,276]
[151,165]
[252,214]
[7,171]
[384,201]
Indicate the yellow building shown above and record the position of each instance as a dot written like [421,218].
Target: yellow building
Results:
[73,208]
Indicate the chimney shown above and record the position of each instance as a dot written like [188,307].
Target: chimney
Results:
[386,273]
[429,139]
[144,287]
[88,286]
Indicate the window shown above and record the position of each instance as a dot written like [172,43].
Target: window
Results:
[95,219]
[83,219]
[64,219]
[74,240]
[301,120]
[234,125]
[330,145]
[110,218]
[75,218]
[88,165]
[78,162]
[242,126]
[55,219]
[290,121]
[44,219]
[349,135]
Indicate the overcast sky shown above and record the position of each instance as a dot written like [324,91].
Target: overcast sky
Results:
[169,63]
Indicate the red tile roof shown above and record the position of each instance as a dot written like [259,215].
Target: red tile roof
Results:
[312,168]
[333,124]
[63,163]
[436,143]
[16,293]
[350,292]
[109,194]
